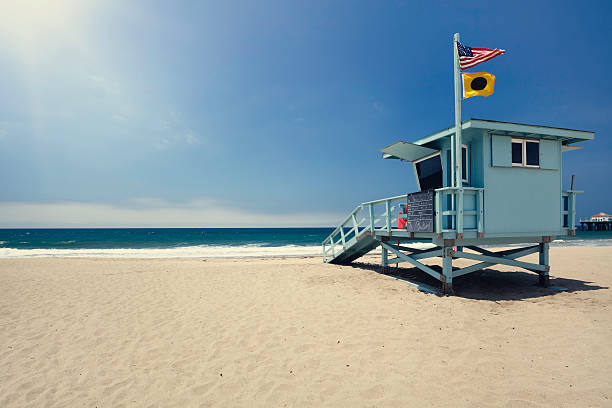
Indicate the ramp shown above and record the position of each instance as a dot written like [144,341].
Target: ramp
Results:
[362,245]
[356,234]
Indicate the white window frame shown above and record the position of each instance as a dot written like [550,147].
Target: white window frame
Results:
[467,167]
[416,174]
[523,143]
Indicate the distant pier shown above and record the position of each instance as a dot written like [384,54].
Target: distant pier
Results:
[598,222]
[588,225]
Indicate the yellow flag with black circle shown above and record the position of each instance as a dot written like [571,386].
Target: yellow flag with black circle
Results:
[477,83]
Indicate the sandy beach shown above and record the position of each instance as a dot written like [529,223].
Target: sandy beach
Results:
[297,332]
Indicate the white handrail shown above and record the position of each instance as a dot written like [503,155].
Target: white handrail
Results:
[384,221]
[374,223]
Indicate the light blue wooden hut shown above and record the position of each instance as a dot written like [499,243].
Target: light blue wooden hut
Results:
[510,193]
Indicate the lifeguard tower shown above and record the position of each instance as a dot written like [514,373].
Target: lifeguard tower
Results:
[510,192]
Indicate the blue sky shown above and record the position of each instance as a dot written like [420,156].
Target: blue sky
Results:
[271,113]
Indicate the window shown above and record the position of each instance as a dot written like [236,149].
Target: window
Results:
[532,153]
[429,172]
[465,165]
[517,153]
[525,153]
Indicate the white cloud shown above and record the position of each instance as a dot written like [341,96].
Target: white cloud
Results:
[192,138]
[177,137]
[165,125]
[161,144]
[150,213]
[175,131]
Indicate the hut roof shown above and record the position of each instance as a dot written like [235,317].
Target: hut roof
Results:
[568,136]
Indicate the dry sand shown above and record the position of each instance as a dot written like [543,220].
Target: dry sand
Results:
[297,332]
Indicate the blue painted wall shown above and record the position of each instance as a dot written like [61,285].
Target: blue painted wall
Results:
[519,199]
[516,199]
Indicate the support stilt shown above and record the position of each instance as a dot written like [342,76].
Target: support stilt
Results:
[543,279]
[447,270]
[450,250]
[385,260]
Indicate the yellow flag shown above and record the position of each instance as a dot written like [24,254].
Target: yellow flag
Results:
[477,83]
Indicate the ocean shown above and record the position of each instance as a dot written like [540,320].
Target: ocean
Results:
[191,242]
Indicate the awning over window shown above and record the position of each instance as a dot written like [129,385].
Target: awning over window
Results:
[406,151]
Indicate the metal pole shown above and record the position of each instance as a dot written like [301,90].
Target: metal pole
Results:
[452,165]
[458,96]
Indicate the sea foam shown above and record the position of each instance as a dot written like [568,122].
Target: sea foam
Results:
[222,251]
[202,251]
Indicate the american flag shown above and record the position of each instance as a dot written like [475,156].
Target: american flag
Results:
[468,57]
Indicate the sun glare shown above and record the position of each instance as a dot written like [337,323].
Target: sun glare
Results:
[26,22]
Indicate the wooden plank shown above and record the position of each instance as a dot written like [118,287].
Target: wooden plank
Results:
[432,254]
[508,254]
[452,212]
[385,257]
[543,257]
[439,196]
[424,255]
[414,262]
[419,253]
[413,250]
[388,214]
[501,260]
[480,210]
[528,250]
[447,266]
[460,211]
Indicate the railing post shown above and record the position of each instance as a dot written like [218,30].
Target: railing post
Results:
[385,259]
[447,270]
[572,211]
[453,219]
[480,211]
[342,236]
[544,260]
[438,202]
[459,212]
[388,210]
[355,231]
[332,245]
[324,258]
[371,217]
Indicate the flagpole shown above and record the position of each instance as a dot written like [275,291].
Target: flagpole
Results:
[457,139]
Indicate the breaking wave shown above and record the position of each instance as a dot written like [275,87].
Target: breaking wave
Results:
[581,242]
[203,251]
[220,251]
